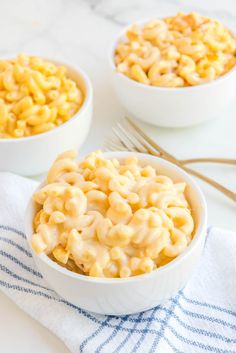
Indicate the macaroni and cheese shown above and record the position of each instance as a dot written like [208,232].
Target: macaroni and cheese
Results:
[107,218]
[35,96]
[178,51]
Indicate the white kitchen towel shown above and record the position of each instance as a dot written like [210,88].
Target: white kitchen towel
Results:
[200,318]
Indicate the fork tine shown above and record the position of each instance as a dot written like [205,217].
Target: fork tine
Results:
[132,139]
[113,144]
[146,147]
[123,140]
[110,149]
[158,148]
[118,141]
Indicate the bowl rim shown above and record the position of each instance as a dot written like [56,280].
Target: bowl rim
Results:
[112,65]
[87,101]
[202,227]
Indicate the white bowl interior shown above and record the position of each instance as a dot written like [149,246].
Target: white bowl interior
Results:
[33,155]
[121,36]
[193,193]
[83,82]
[172,106]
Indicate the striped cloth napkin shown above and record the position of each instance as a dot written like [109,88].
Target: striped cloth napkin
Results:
[200,318]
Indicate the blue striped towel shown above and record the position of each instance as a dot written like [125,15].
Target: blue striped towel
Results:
[200,318]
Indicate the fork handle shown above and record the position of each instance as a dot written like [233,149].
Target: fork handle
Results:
[215,184]
[218,186]
[227,192]
[158,151]
[208,160]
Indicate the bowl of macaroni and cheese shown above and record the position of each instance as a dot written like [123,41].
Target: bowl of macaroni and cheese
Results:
[116,233]
[174,72]
[45,108]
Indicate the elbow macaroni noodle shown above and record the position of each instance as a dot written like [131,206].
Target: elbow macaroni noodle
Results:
[178,51]
[106,218]
[35,96]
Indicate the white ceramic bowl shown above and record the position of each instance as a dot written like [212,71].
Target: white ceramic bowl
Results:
[172,107]
[34,154]
[135,294]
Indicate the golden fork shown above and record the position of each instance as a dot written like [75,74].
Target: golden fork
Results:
[130,137]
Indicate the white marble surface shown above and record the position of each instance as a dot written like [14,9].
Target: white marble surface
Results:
[81,31]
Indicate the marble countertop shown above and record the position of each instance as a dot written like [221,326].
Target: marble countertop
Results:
[80,32]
